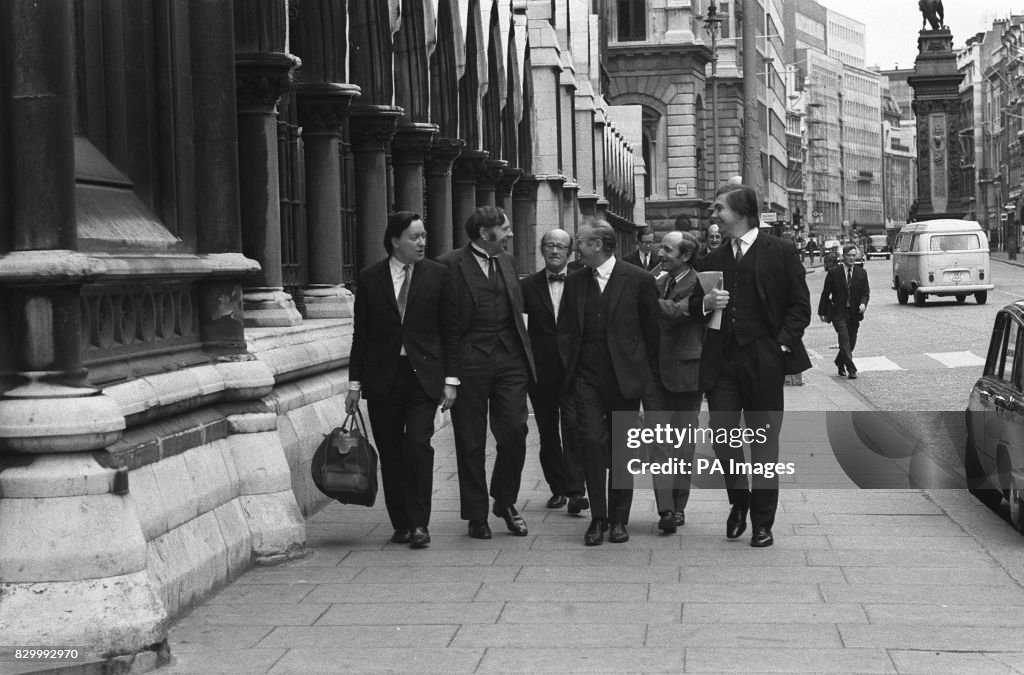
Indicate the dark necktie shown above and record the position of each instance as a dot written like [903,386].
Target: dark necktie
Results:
[669,287]
[557,277]
[403,293]
[739,251]
[849,275]
[490,262]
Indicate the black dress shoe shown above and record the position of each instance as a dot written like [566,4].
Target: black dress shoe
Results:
[557,502]
[762,537]
[420,538]
[680,518]
[515,523]
[853,375]
[842,371]
[737,522]
[577,503]
[401,536]
[617,533]
[595,533]
[667,524]
[479,529]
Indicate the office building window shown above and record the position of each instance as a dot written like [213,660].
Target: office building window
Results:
[632,20]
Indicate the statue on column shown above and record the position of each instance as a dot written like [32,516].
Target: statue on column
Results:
[932,13]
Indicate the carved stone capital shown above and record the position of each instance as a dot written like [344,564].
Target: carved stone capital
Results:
[442,152]
[261,80]
[411,142]
[373,126]
[469,166]
[525,187]
[491,173]
[506,183]
[324,106]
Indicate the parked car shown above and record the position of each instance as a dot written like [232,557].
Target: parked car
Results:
[941,257]
[877,245]
[994,455]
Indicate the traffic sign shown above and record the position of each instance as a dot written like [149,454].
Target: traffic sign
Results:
[769,217]
[816,214]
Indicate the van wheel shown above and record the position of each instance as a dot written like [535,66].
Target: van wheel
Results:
[919,298]
[960,299]
[981,297]
[901,296]
[887,257]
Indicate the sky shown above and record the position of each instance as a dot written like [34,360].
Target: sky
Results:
[891,26]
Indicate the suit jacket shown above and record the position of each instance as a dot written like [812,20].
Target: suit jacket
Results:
[542,329]
[632,329]
[634,259]
[681,337]
[785,302]
[430,331]
[460,263]
[835,293]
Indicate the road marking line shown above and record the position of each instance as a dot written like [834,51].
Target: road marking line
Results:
[874,363]
[957,359]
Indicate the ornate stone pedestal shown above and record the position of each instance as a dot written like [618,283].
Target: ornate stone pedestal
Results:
[936,104]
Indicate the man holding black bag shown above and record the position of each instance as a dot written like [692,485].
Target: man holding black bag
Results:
[405,361]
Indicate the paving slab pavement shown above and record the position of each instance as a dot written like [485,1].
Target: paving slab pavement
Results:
[866,581]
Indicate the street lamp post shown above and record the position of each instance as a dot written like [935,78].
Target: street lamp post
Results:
[713,24]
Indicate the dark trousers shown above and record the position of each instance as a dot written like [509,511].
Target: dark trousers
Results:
[555,415]
[403,424]
[672,491]
[497,381]
[751,380]
[594,405]
[846,324]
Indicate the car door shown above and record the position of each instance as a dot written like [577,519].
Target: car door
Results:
[1001,397]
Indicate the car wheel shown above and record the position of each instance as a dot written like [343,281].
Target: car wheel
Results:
[901,295]
[976,479]
[960,299]
[981,297]
[1015,496]
[919,298]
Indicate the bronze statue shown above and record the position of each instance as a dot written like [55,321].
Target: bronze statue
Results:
[931,10]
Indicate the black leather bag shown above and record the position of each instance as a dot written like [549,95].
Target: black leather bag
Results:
[344,466]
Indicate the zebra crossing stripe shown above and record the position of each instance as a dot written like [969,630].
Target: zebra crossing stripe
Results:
[874,363]
[957,359]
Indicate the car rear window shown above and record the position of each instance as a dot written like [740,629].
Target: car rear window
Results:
[954,242]
[877,240]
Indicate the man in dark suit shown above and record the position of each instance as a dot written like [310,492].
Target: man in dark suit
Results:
[496,369]
[404,361]
[679,361]
[552,406]
[609,343]
[843,301]
[765,308]
[644,256]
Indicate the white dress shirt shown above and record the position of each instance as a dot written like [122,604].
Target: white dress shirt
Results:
[604,272]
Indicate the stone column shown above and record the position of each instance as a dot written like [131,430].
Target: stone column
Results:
[503,189]
[261,80]
[487,181]
[322,111]
[439,223]
[408,150]
[465,171]
[72,552]
[371,129]
[570,214]
[524,223]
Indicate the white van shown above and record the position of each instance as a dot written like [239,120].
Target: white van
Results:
[941,257]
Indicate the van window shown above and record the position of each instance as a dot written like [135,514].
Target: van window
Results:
[954,242]
[913,242]
[903,243]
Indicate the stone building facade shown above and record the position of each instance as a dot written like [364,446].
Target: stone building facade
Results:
[187,191]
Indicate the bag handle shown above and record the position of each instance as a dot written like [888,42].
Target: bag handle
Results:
[360,425]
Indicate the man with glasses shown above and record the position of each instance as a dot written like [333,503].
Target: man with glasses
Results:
[644,256]
[543,300]
[610,342]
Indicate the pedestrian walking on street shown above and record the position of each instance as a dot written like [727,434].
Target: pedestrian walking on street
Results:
[553,410]
[610,343]
[765,307]
[405,362]
[844,298]
[496,370]
[644,256]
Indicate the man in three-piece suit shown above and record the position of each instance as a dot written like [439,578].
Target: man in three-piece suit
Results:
[543,301]
[843,301]
[644,256]
[495,371]
[765,308]
[609,343]
[404,361]
[679,361]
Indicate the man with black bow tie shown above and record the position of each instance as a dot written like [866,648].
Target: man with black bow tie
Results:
[552,407]
[496,369]
[609,342]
